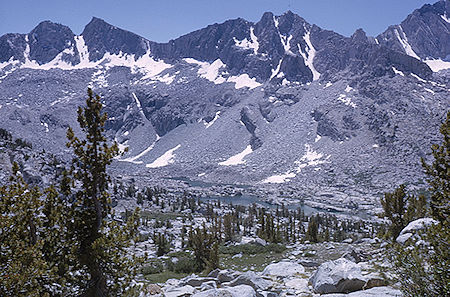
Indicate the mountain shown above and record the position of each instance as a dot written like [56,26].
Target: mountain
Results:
[279,104]
[424,35]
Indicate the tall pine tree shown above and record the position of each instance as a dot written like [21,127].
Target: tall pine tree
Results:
[100,242]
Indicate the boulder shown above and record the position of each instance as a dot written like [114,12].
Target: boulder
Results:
[226,276]
[198,281]
[300,285]
[355,256]
[283,269]
[237,291]
[413,227]
[339,276]
[152,289]
[179,292]
[251,279]
[208,285]
[374,292]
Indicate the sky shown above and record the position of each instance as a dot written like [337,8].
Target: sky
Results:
[168,19]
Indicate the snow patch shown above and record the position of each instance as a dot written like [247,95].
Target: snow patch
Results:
[347,101]
[276,22]
[418,77]
[318,137]
[143,153]
[401,36]
[277,70]
[445,18]
[209,124]
[397,71]
[310,158]
[309,55]
[348,89]
[164,160]
[429,90]
[167,78]
[286,42]
[329,84]
[279,179]
[437,64]
[248,44]
[209,71]
[244,80]
[138,103]
[238,158]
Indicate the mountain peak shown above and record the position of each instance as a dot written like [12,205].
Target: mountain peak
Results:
[48,39]
[102,37]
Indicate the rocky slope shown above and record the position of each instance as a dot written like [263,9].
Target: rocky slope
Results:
[279,102]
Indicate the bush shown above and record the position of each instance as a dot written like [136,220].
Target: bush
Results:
[185,264]
[153,268]
[252,249]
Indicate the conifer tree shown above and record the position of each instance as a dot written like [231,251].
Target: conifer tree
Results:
[100,243]
[423,267]
[22,266]
[439,176]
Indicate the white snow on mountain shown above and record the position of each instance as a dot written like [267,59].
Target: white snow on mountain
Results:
[401,36]
[248,44]
[209,124]
[309,55]
[310,158]
[437,64]
[279,179]
[164,160]
[445,18]
[244,80]
[397,71]
[276,70]
[347,101]
[238,158]
[209,71]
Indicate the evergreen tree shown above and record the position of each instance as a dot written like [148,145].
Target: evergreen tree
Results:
[423,267]
[313,229]
[22,265]
[439,176]
[100,243]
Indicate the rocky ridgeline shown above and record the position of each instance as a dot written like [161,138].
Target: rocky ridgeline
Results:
[353,274]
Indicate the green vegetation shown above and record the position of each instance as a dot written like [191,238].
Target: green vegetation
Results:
[423,266]
[63,241]
[401,209]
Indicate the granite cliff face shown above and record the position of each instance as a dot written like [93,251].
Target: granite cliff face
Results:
[276,102]
[424,34]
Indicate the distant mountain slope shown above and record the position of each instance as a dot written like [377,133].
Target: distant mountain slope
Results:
[424,34]
[279,102]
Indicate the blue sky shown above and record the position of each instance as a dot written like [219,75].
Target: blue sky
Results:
[165,20]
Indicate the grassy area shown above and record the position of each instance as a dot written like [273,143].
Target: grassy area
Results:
[164,276]
[254,257]
[161,216]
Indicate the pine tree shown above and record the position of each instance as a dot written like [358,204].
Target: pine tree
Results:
[439,176]
[22,265]
[313,229]
[100,243]
[424,266]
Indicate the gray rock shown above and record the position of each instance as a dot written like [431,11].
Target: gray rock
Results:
[226,276]
[237,291]
[198,281]
[251,279]
[283,269]
[339,276]
[183,291]
[355,256]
